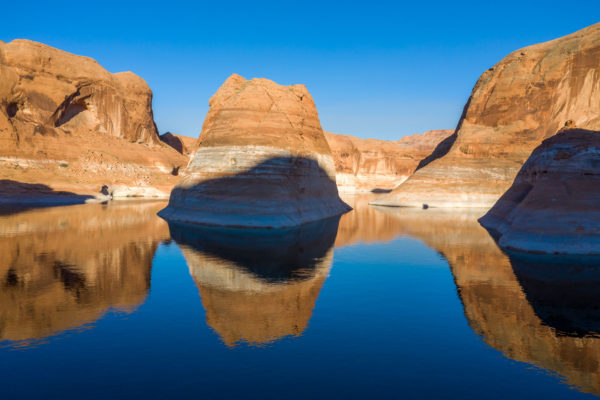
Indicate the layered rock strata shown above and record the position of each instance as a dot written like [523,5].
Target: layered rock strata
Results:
[67,123]
[515,105]
[553,206]
[258,286]
[261,161]
[371,165]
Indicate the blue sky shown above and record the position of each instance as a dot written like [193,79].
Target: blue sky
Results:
[375,69]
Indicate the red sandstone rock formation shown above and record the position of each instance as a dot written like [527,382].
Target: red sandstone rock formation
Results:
[364,165]
[261,160]
[524,99]
[69,124]
[183,144]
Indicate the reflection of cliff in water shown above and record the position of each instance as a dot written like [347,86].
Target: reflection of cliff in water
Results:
[64,267]
[258,286]
[365,223]
[528,309]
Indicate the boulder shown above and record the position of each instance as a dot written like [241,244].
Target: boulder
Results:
[553,206]
[515,105]
[261,161]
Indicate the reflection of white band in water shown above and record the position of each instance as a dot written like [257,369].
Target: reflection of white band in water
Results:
[212,271]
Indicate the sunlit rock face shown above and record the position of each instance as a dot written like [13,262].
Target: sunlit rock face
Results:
[261,161]
[68,123]
[515,105]
[553,206]
[366,165]
[540,310]
[62,268]
[258,286]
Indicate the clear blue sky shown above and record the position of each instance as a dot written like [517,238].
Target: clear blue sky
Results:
[375,69]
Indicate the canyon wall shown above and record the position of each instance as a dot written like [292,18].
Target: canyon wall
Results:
[371,165]
[69,124]
[525,98]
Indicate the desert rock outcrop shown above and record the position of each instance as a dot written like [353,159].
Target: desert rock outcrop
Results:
[365,165]
[553,206]
[69,124]
[261,161]
[515,105]
[183,144]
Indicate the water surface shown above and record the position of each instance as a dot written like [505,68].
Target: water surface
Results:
[109,301]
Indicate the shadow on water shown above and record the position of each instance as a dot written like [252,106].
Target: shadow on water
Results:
[17,196]
[564,291]
[258,285]
[540,310]
[279,191]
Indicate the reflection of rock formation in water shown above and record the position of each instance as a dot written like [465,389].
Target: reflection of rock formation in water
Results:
[525,308]
[63,267]
[365,223]
[258,286]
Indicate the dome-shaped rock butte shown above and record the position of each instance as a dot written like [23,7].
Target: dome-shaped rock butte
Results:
[524,99]
[554,204]
[68,123]
[261,161]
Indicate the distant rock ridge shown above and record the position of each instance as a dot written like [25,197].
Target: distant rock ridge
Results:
[553,206]
[67,123]
[261,161]
[365,165]
[183,144]
[515,105]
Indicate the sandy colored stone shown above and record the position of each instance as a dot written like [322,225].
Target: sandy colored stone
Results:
[261,161]
[67,123]
[365,165]
[553,206]
[515,105]
[183,144]
[64,268]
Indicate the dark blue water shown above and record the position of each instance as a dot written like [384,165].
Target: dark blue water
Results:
[110,302]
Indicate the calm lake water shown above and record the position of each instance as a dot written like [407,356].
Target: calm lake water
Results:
[110,302]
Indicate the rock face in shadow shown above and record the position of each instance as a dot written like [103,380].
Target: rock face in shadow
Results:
[68,123]
[64,268]
[183,144]
[366,165]
[553,206]
[262,161]
[258,286]
[535,309]
[515,105]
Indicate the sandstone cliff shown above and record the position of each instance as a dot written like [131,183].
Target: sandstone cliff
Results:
[69,124]
[553,205]
[183,144]
[365,165]
[261,161]
[525,98]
